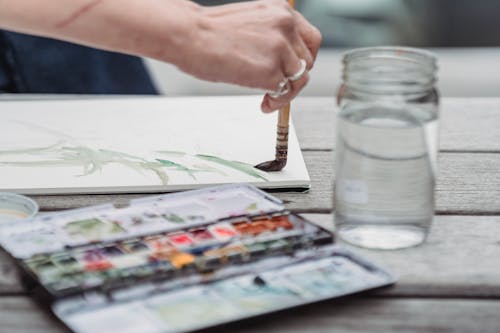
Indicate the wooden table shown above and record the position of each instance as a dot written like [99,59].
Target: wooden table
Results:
[449,284]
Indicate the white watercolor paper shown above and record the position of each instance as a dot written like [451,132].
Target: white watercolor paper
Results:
[141,144]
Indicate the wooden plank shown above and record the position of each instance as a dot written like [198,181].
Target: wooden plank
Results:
[357,314]
[23,315]
[466,124]
[9,281]
[459,259]
[467,184]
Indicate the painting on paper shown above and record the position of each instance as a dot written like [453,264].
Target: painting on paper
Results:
[153,144]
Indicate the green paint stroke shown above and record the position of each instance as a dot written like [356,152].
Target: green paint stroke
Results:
[178,167]
[34,150]
[172,217]
[171,153]
[94,160]
[66,151]
[236,165]
[183,168]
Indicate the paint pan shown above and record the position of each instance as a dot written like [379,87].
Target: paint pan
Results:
[158,243]
[134,246]
[223,231]
[181,259]
[256,227]
[16,207]
[94,260]
[282,221]
[202,235]
[181,240]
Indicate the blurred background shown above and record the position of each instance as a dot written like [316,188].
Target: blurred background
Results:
[465,35]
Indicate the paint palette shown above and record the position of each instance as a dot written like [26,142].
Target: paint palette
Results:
[182,262]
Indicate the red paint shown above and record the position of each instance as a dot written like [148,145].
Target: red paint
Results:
[158,243]
[181,239]
[223,231]
[98,265]
[202,235]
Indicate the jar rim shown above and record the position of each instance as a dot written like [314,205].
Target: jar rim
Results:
[411,53]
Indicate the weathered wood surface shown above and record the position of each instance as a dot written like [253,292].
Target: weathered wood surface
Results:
[466,124]
[467,184]
[460,259]
[449,284]
[353,315]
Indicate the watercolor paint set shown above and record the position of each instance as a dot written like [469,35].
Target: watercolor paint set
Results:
[182,262]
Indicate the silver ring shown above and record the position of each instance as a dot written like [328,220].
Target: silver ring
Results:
[283,89]
[300,73]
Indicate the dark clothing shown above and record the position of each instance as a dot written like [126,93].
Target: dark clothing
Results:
[30,64]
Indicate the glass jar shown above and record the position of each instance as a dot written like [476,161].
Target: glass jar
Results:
[386,149]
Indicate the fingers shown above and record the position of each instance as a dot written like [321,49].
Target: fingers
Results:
[303,52]
[255,44]
[309,34]
[271,103]
[306,41]
[290,67]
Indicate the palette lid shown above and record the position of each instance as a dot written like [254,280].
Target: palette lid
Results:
[219,202]
[54,232]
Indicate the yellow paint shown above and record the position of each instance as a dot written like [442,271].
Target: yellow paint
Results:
[181,259]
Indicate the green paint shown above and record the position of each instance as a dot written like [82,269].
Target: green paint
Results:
[252,207]
[68,152]
[174,218]
[236,165]
[171,153]
[178,167]
[195,217]
[92,229]
[34,150]
[94,160]
[189,170]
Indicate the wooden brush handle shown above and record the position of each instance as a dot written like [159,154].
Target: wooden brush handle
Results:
[284,112]
[283,123]
[284,116]
[282,137]
[282,133]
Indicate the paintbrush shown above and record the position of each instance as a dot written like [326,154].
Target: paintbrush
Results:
[281,156]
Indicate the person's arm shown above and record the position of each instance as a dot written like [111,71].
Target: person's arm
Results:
[254,44]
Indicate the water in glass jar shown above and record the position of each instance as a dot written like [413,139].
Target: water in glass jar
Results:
[385,175]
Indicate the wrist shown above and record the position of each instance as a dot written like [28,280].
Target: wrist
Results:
[178,32]
[200,43]
[156,29]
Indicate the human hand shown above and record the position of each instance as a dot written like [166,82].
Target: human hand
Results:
[254,44]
